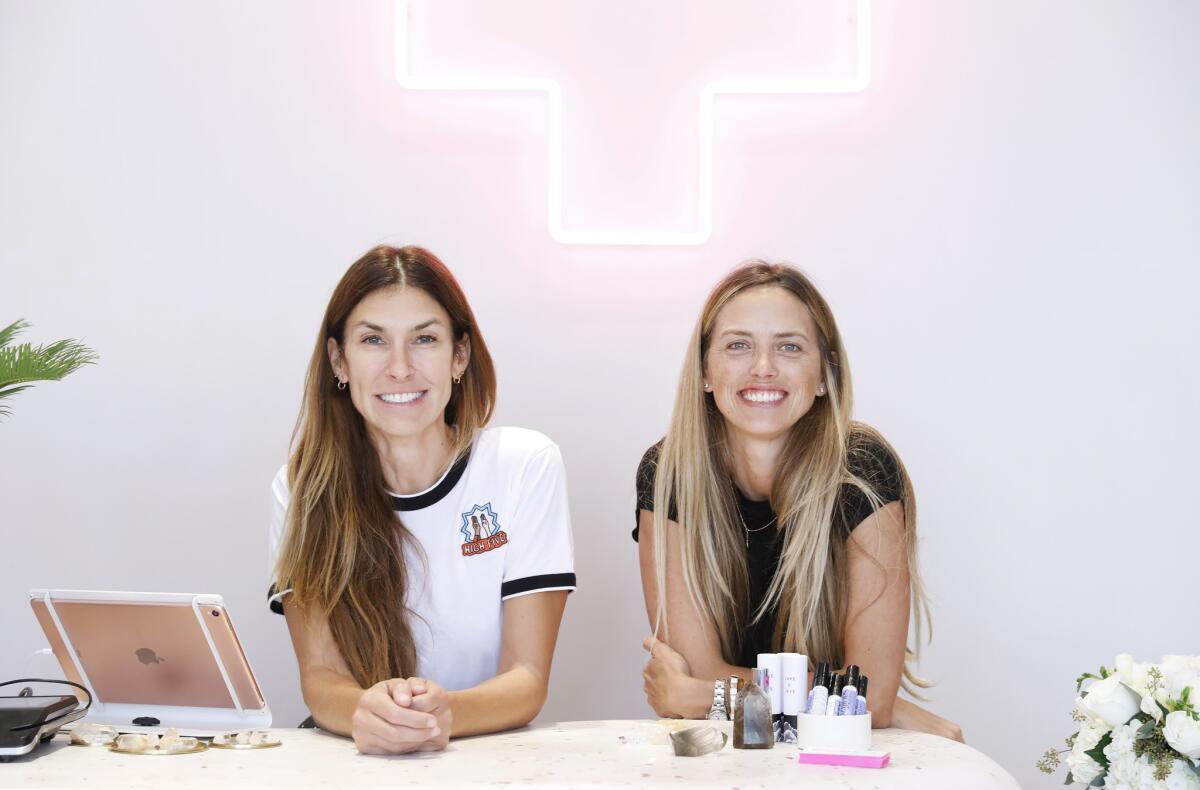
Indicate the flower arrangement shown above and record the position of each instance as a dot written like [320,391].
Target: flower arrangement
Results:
[1139,726]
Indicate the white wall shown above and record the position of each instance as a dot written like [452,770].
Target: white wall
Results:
[1005,223]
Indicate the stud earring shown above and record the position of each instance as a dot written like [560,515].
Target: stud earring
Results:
[820,389]
[707,387]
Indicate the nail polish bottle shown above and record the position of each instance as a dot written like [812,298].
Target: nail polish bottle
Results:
[850,691]
[835,696]
[861,707]
[752,715]
[820,681]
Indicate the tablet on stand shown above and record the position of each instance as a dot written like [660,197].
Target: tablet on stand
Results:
[153,660]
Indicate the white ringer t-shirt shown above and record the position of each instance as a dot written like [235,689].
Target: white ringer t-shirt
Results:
[494,527]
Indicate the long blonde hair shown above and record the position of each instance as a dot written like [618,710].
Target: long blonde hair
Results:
[810,588]
[343,548]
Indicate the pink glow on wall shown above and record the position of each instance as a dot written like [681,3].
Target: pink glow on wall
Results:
[733,55]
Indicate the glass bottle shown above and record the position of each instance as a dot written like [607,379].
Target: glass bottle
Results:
[752,716]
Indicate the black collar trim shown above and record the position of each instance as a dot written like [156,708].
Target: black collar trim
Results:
[436,494]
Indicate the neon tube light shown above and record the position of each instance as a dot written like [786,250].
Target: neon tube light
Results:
[554,122]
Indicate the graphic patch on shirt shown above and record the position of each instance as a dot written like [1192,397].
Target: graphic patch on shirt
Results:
[481,530]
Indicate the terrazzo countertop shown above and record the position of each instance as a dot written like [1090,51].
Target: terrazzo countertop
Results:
[583,753]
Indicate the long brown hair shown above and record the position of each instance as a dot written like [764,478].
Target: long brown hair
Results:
[343,548]
[810,589]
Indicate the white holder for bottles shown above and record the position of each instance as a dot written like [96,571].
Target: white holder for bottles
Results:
[835,733]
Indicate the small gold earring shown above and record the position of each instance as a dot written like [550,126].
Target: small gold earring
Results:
[341,384]
[457,379]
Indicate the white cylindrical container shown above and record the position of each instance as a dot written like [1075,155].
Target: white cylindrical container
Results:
[795,691]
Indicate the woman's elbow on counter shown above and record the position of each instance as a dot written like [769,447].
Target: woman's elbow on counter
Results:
[881,717]
[533,707]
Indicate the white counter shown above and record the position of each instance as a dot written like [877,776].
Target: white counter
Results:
[596,753]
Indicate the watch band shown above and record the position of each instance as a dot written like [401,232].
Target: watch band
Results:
[718,711]
[733,688]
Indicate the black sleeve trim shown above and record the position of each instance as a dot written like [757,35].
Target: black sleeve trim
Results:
[549,581]
[644,485]
[276,604]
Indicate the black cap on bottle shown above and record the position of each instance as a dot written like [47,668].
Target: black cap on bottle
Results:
[835,686]
[821,675]
[852,675]
[862,686]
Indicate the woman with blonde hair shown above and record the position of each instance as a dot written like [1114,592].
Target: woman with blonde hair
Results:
[769,521]
[374,550]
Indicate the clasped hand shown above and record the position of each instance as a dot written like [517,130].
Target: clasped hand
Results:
[664,678]
[398,716]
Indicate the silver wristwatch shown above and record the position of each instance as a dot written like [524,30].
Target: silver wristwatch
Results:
[718,712]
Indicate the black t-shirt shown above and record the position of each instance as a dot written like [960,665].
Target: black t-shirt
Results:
[867,459]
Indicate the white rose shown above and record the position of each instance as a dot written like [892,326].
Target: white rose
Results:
[1180,672]
[1132,674]
[1176,663]
[1112,701]
[1183,733]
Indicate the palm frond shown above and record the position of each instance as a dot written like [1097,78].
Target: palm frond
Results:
[24,363]
[12,330]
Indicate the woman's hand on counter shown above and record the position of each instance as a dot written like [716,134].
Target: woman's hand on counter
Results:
[389,718]
[429,697]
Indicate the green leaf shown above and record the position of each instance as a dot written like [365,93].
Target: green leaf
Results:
[26,363]
[1097,751]
[1098,781]
[1085,676]
[1145,731]
[22,365]
[12,330]
[1070,779]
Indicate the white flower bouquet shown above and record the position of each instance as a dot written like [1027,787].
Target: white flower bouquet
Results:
[1139,727]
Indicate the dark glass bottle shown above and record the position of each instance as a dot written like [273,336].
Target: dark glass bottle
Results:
[752,716]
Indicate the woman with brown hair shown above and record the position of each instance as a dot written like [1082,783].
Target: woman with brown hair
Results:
[767,520]
[377,565]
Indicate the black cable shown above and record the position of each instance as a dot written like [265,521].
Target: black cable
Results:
[57,718]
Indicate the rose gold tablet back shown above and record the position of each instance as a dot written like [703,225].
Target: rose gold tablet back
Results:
[151,653]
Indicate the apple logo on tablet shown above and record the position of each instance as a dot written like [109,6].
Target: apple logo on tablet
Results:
[148,656]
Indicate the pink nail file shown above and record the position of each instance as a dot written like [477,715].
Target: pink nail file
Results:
[852,759]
